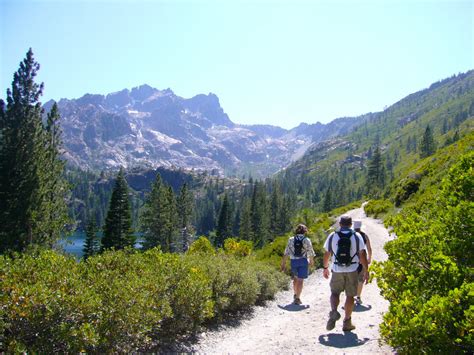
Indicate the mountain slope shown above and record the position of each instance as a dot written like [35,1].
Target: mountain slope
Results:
[334,172]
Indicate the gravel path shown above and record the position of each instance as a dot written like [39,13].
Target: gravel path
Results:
[281,327]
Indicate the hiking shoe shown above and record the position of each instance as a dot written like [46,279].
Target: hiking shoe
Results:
[333,317]
[358,301]
[297,301]
[347,325]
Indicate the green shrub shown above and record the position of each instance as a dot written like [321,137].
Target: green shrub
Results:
[428,275]
[406,188]
[377,207]
[189,294]
[132,293]
[270,281]
[201,246]
[234,285]
[236,247]
[122,301]
[272,253]
[46,306]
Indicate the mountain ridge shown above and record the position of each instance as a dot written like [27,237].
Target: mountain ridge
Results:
[145,126]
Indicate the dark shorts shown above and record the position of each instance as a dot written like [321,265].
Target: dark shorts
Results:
[299,268]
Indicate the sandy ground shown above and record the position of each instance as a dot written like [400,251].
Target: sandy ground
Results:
[282,327]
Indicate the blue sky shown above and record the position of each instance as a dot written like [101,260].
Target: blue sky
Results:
[270,62]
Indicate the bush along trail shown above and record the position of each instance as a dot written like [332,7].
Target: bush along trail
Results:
[282,327]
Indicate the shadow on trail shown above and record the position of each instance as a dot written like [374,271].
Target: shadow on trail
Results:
[294,307]
[346,340]
[362,308]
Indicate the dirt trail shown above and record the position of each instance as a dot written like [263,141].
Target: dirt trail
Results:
[281,327]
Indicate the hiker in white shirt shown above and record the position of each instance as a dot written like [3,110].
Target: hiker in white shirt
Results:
[345,249]
[301,253]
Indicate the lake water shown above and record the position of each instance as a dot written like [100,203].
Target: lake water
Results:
[75,243]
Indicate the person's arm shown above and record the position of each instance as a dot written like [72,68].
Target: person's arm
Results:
[285,256]
[283,263]
[363,261]
[369,249]
[326,257]
[310,252]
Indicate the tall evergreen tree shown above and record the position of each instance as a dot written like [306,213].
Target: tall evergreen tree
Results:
[30,213]
[285,214]
[159,218]
[185,206]
[153,215]
[91,244]
[55,186]
[327,202]
[170,217]
[276,202]
[118,232]
[224,224]
[260,215]
[427,144]
[245,227]
[375,173]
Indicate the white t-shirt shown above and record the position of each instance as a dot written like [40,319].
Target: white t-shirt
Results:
[307,250]
[335,239]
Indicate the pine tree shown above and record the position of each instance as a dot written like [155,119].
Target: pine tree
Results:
[170,217]
[30,212]
[285,214]
[260,215]
[327,202]
[152,218]
[91,244]
[245,227]
[427,144]
[224,224]
[118,232]
[54,184]
[185,206]
[276,203]
[375,172]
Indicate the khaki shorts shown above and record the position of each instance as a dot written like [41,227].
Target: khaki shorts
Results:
[344,281]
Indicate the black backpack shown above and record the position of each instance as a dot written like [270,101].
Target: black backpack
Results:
[298,245]
[343,253]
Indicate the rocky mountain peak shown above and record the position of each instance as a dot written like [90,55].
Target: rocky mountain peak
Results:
[142,92]
[91,99]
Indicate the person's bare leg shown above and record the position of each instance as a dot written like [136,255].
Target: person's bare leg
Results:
[359,288]
[334,301]
[348,307]
[298,286]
